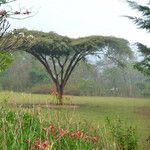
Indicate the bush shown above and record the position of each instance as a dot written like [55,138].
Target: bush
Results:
[72,89]
[41,89]
[125,136]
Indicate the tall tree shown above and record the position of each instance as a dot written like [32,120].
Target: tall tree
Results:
[60,54]
[142,22]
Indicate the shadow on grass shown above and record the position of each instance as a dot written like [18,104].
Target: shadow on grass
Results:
[43,105]
[143,111]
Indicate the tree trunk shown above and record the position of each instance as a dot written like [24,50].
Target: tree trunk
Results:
[60,90]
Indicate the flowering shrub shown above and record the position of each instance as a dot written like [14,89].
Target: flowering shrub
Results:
[53,135]
[43,130]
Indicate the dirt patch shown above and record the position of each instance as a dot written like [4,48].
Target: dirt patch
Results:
[42,105]
[145,111]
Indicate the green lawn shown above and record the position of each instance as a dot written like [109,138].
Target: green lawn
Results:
[134,111]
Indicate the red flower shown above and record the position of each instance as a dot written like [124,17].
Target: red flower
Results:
[79,133]
[95,139]
[46,143]
[38,140]
[58,129]
[38,143]
[72,134]
[63,132]
[51,126]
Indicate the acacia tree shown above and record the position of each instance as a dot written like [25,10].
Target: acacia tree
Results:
[60,54]
[142,22]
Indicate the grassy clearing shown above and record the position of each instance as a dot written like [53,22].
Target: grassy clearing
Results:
[133,111]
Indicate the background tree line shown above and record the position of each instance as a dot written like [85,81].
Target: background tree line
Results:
[102,78]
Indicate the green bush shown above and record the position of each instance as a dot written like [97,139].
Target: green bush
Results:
[41,89]
[125,136]
[72,89]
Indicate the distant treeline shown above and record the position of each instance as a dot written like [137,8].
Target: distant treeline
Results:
[102,78]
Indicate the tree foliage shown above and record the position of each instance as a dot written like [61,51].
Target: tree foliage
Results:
[60,54]
[5,58]
[144,64]
[142,22]
[6,42]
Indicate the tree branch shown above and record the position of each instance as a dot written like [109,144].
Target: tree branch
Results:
[55,70]
[45,63]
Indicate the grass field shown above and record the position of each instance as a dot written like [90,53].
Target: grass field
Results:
[134,111]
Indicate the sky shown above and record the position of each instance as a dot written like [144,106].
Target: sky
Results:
[78,18]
